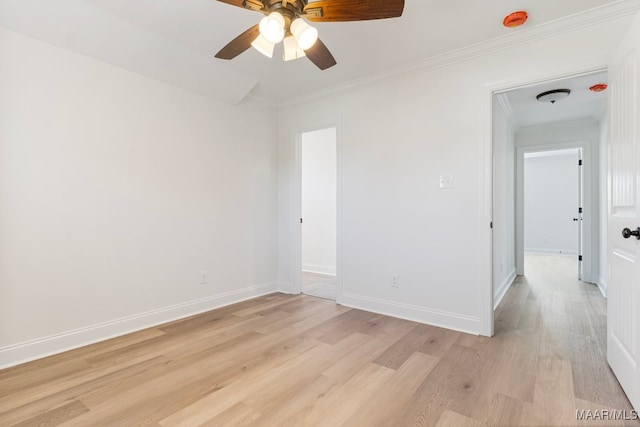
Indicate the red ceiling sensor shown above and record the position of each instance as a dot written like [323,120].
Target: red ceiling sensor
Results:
[599,87]
[515,19]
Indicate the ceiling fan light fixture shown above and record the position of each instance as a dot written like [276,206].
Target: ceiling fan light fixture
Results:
[278,25]
[553,96]
[291,49]
[264,46]
[272,27]
[305,34]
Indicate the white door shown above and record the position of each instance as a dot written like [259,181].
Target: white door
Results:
[578,216]
[623,321]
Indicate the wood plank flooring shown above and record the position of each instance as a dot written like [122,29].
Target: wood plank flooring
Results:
[319,285]
[285,360]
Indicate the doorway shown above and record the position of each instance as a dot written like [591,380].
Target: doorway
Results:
[522,124]
[319,213]
[552,213]
[590,192]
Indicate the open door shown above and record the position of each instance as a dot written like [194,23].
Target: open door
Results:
[623,320]
[579,217]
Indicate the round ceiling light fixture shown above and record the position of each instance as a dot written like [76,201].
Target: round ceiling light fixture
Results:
[515,19]
[600,87]
[553,96]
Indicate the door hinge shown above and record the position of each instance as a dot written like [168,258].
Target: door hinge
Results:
[491,225]
[580,162]
[579,210]
[300,220]
[580,258]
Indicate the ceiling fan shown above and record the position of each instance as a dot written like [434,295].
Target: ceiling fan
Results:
[286,21]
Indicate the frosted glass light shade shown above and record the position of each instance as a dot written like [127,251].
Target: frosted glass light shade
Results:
[305,34]
[272,27]
[263,46]
[292,50]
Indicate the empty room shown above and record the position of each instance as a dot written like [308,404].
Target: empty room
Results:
[319,213]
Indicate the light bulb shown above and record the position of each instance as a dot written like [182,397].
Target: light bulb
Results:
[272,27]
[291,49]
[263,46]
[305,34]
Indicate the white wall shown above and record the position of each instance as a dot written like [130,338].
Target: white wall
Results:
[603,203]
[116,191]
[583,134]
[504,261]
[551,202]
[319,171]
[398,137]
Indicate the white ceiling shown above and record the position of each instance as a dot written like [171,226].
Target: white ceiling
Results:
[580,104]
[176,40]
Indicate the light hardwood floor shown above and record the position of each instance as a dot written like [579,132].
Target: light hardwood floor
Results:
[319,285]
[286,360]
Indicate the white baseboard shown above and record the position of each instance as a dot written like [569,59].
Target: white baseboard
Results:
[457,322]
[602,286]
[54,344]
[285,288]
[550,251]
[320,269]
[503,288]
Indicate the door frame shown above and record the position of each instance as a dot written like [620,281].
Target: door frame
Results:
[590,227]
[296,230]
[487,170]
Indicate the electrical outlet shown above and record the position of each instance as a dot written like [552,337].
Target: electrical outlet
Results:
[395,281]
[204,277]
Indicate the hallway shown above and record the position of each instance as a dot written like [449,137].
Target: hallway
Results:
[554,332]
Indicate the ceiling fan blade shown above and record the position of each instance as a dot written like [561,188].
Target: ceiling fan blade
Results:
[353,10]
[239,44]
[238,3]
[320,55]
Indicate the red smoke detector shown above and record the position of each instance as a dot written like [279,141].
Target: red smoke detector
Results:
[599,87]
[515,19]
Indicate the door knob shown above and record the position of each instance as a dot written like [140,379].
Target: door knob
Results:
[626,233]
[575,219]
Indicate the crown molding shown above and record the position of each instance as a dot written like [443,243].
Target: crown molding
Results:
[505,104]
[611,11]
